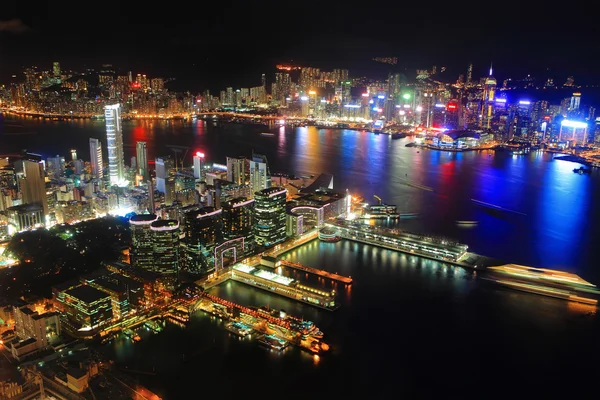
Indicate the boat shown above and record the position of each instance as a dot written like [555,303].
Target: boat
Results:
[467,222]
[381,211]
[267,134]
[411,144]
[272,342]
[408,215]
[581,171]
[398,135]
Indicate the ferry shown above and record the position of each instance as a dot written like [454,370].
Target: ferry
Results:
[467,222]
[545,282]
[272,342]
[581,171]
[267,134]
[381,211]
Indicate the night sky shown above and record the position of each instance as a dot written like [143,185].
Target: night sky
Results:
[213,44]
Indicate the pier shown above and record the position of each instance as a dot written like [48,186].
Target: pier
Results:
[320,272]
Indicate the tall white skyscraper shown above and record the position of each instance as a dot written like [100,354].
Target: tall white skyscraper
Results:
[114,143]
[142,160]
[96,158]
[258,176]
[199,165]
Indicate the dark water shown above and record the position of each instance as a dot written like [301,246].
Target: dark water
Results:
[407,327]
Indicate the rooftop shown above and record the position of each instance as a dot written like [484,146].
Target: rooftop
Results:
[87,294]
[164,224]
[76,373]
[141,219]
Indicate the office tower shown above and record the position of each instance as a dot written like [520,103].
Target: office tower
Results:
[199,166]
[141,153]
[55,166]
[488,100]
[97,167]
[78,166]
[114,143]
[142,244]
[31,181]
[260,177]
[73,154]
[269,216]
[237,221]
[575,102]
[263,81]
[202,229]
[165,238]
[164,168]
[133,163]
[236,170]
[151,206]
[56,69]
[469,75]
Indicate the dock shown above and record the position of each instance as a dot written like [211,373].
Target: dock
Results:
[335,277]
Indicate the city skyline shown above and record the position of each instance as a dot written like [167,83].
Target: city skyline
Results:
[205,47]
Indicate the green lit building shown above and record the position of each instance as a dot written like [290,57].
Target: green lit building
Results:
[270,216]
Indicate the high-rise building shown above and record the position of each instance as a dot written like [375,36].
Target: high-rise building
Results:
[164,169]
[55,166]
[488,100]
[142,244]
[165,235]
[199,166]
[73,154]
[141,154]
[202,230]
[237,221]
[56,69]
[31,180]
[575,102]
[114,143]
[269,216]
[236,170]
[96,158]
[260,177]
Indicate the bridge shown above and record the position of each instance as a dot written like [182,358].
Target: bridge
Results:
[320,272]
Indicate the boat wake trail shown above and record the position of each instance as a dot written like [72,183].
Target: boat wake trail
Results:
[495,207]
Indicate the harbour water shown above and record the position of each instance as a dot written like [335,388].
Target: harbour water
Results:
[406,326]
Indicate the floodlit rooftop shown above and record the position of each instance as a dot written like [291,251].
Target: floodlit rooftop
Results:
[274,277]
[243,268]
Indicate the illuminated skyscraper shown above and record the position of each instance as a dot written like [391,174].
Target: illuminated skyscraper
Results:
[73,154]
[164,169]
[142,245]
[56,69]
[142,160]
[202,230]
[96,158]
[269,216]
[575,103]
[165,238]
[31,181]
[489,92]
[236,170]
[237,221]
[199,165]
[114,143]
[469,76]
